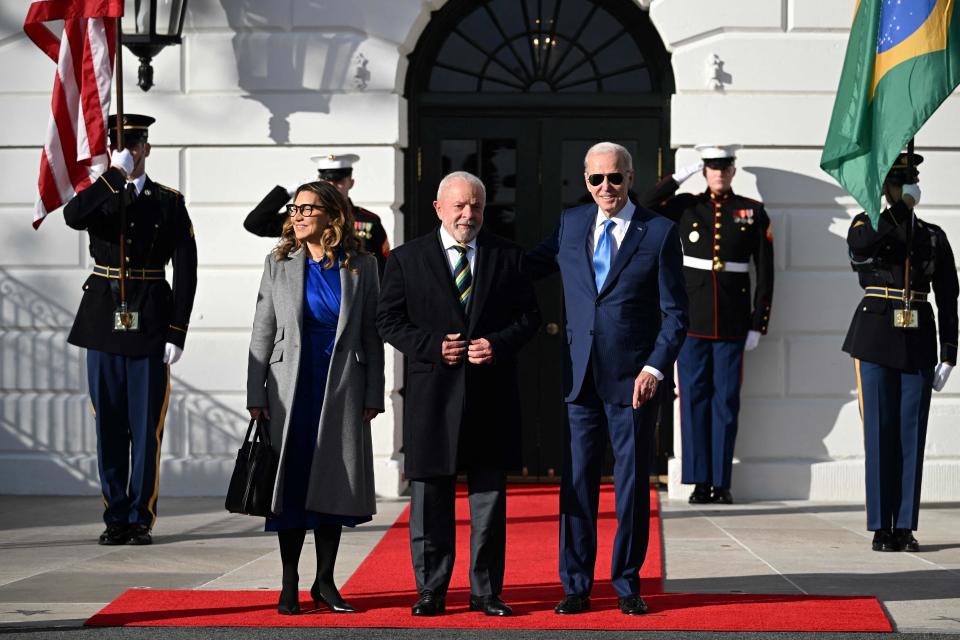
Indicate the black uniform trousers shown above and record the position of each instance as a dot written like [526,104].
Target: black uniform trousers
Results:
[129,397]
[894,405]
[433,530]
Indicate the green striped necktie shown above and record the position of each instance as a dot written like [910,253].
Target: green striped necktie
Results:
[462,276]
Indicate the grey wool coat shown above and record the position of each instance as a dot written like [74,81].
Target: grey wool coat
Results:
[341,474]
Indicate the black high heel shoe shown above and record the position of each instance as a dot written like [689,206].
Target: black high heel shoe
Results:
[333,601]
[289,604]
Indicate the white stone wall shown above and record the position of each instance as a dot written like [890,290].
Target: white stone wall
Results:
[255,89]
[258,87]
[800,431]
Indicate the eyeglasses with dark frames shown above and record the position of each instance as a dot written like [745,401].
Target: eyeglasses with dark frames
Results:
[596,179]
[306,210]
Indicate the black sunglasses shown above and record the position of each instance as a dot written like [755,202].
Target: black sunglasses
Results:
[306,210]
[596,179]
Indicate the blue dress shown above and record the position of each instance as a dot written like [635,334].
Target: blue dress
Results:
[321,310]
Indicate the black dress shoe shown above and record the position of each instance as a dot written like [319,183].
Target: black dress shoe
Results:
[114,534]
[429,604]
[490,605]
[289,604]
[701,494]
[722,496]
[139,534]
[331,599]
[884,540]
[632,605]
[905,540]
[572,604]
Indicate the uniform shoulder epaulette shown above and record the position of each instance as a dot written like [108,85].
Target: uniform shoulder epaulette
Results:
[170,189]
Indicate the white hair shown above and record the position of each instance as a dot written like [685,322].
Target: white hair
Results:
[471,179]
[624,157]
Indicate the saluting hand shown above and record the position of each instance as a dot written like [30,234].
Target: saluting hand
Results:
[480,351]
[453,349]
[644,387]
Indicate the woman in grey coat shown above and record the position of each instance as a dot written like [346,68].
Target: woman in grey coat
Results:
[316,372]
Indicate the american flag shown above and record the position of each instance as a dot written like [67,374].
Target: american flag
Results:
[76,151]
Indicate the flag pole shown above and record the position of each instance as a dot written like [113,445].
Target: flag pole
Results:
[907,293]
[124,318]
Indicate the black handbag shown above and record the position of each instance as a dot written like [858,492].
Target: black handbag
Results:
[251,485]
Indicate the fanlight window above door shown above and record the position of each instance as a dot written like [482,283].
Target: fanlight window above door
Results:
[539,46]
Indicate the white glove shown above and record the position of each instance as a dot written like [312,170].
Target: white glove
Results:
[910,192]
[171,353]
[940,375]
[753,339]
[292,188]
[122,160]
[685,172]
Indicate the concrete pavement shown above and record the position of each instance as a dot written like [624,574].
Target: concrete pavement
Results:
[53,575]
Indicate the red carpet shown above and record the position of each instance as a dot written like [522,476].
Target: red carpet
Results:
[383,588]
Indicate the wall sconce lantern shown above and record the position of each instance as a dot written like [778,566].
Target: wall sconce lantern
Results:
[147,27]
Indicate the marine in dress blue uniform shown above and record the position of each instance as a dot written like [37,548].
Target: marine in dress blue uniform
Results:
[266,219]
[896,355]
[722,233]
[128,370]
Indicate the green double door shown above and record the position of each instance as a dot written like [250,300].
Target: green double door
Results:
[532,169]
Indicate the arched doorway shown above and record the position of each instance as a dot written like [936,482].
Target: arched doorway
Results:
[515,91]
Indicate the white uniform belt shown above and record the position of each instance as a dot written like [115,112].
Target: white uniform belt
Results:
[710,265]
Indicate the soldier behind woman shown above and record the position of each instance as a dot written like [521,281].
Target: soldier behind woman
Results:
[266,219]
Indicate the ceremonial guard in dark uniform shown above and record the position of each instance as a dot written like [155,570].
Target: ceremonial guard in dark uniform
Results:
[721,233]
[893,338]
[266,219]
[129,355]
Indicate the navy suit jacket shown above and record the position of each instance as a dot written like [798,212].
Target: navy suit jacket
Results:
[639,315]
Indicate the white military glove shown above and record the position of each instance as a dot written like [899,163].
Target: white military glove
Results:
[123,161]
[940,375]
[685,172]
[910,195]
[171,353]
[753,339]
[292,188]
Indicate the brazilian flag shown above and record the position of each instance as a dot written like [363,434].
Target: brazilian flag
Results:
[903,60]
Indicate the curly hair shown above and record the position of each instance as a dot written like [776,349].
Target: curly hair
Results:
[339,234]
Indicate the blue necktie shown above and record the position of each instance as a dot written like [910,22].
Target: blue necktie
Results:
[603,253]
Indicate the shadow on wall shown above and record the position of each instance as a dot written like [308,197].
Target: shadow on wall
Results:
[813,300]
[45,409]
[289,71]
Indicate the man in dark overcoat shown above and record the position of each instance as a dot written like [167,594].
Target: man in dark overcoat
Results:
[457,305]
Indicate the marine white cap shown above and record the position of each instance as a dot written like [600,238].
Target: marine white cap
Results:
[335,161]
[717,151]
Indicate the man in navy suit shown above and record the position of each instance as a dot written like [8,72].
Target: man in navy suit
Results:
[626,317]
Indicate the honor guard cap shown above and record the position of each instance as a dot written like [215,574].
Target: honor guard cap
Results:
[135,127]
[904,169]
[717,156]
[335,167]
